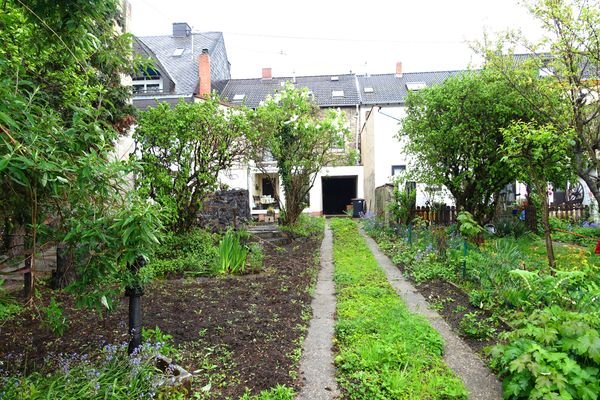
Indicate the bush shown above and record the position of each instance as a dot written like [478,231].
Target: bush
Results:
[306,226]
[193,252]
[54,318]
[552,354]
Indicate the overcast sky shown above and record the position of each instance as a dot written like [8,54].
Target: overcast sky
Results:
[312,37]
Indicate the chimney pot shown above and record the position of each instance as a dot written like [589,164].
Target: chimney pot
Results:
[204,74]
[398,69]
[267,73]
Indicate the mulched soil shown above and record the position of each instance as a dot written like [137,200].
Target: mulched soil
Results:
[237,333]
[452,305]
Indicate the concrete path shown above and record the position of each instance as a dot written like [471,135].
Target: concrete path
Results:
[479,381]
[316,366]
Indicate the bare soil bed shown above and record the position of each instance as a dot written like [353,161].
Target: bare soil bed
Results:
[237,333]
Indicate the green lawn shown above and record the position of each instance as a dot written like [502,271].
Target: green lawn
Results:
[384,351]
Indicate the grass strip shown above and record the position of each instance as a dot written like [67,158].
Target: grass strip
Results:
[384,351]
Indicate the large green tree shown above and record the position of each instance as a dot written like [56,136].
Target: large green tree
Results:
[300,140]
[454,133]
[183,150]
[567,60]
[63,107]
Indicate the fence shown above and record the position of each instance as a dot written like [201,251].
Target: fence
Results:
[572,212]
[439,215]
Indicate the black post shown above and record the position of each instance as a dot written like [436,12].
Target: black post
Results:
[135,294]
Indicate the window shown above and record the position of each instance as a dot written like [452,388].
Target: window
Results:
[335,78]
[398,170]
[337,93]
[239,97]
[369,90]
[414,86]
[147,84]
[178,52]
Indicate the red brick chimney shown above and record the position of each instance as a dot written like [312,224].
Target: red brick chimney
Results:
[204,74]
[267,73]
[398,69]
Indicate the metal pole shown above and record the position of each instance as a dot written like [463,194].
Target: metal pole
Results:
[135,294]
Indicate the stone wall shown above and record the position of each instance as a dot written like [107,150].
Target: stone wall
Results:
[224,209]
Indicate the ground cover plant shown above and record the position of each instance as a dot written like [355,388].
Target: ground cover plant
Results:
[384,351]
[550,346]
[240,335]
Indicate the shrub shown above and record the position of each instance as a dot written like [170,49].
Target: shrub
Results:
[306,226]
[54,318]
[552,354]
[474,325]
[191,252]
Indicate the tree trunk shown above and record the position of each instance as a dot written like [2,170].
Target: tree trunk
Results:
[546,224]
[64,273]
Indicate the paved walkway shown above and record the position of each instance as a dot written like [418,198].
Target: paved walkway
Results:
[316,366]
[479,381]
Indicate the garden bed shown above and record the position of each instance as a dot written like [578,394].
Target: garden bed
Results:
[235,333]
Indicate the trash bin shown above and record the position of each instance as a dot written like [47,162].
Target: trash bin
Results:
[358,207]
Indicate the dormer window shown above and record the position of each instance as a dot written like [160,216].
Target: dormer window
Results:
[148,81]
[415,86]
[337,93]
[335,78]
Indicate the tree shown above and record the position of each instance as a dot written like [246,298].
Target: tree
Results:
[184,148]
[300,141]
[63,108]
[569,60]
[539,154]
[454,132]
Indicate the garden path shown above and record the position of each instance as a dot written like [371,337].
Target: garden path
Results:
[316,366]
[479,381]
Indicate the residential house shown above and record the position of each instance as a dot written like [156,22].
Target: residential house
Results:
[383,105]
[336,185]
[186,65]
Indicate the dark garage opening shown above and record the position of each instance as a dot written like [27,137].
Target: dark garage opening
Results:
[338,192]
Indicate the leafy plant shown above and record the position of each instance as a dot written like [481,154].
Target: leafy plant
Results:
[404,200]
[54,318]
[160,339]
[232,254]
[8,305]
[475,326]
[306,226]
[468,227]
[553,353]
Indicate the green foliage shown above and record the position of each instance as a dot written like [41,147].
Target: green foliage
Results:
[553,353]
[300,140]
[468,227]
[184,148]
[8,305]
[454,131]
[385,352]
[403,203]
[232,254]
[256,257]
[114,376]
[54,318]
[473,325]
[586,235]
[279,392]
[161,339]
[193,252]
[512,226]
[306,226]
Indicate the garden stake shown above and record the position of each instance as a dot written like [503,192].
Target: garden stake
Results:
[135,294]
[464,263]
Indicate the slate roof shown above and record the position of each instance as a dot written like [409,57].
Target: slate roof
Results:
[389,89]
[322,87]
[183,69]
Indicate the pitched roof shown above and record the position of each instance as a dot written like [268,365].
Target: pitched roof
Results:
[390,89]
[328,90]
[182,65]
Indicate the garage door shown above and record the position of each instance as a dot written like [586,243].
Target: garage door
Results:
[338,192]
